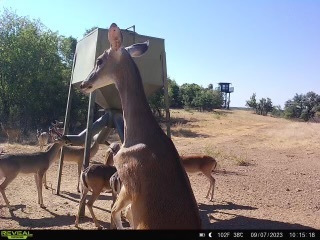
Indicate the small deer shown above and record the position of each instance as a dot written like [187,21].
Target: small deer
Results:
[43,138]
[201,163]
[95,178]
[37,163]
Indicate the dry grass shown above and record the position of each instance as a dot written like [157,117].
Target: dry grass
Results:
[267,175]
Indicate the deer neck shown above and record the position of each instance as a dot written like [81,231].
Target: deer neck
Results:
[53,151]
[139,122]
[94,148]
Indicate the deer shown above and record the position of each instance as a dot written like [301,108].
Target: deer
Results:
[192,164]
[95,178]
[43,138]
[116,184]
[75,154]
[55,130]
[153,178]
[37,163]
[201,163]
[13,134]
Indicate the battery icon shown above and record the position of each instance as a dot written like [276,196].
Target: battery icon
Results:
[202,234]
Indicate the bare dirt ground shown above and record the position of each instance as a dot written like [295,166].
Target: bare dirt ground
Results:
[267,176]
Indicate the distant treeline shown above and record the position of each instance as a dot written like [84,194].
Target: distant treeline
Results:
[302,106]
[187,96]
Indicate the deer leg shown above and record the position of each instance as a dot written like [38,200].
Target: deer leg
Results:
[3,186]
[211,188]
[40,178]
[84,193]
[79,173]
[128,215]
[36,178]
[122,201]
[93,198]
[44,181]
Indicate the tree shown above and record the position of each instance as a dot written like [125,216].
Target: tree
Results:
[303,106]
[277,111]
[156,102]
[174,94]
[252,103]
[35,70]
[263,107]
[189,93]
[207,100]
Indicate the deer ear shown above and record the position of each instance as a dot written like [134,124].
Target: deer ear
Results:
[138,49]
[115,37]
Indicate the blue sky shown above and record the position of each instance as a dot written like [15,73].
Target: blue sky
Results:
[267,47]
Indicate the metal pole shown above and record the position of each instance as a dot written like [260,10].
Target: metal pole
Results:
[134,35]
[117,118]
[166,96]
[86,157]
[79,140]
[66,127]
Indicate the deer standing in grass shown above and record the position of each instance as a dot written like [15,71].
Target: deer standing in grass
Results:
[95,178]
[37,163]
[148,163]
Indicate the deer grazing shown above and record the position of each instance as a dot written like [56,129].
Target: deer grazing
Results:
[149,166]
[43,138]
[13,134]
[204,164]
[38,163]
[95,178]
[75,154]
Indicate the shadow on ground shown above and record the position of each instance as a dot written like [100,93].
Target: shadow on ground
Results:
[181,132]
[238,222]
[207,214]
[54,221]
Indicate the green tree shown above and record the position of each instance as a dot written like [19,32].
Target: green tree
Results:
[35,69]
[303,106]
[207,100]
[156,102]
[174,94]
[252,103]
[189,93]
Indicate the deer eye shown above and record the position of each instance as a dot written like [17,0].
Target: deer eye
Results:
[99,61]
